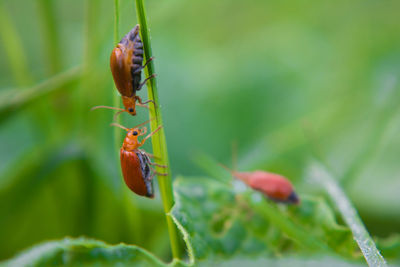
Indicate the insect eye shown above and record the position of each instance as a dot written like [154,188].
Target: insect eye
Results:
[135,133]
[130,109]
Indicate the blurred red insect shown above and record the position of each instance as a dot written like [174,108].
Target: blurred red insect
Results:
[135,163]
[126,67]
[276,187]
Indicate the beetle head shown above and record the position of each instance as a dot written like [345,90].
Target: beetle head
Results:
[129,104]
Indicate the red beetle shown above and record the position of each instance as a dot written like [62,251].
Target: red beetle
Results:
[126,67]
[135,163]
[276,187]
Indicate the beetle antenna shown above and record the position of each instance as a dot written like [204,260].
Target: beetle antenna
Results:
[226,168]
[234,159]
[119,125]
[107,107]
[116,114]
[234,155]
[152,133]
[143,123]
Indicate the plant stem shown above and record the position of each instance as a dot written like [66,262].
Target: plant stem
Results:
[116,98]
[158,140]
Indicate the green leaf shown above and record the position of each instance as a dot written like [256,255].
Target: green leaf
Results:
[315,215]
[84,252]
[215,223]
[221,223]
[282,262]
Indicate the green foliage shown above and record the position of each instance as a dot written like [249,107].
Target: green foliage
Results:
[84,252]
[12,100]
[216,224]
[224,224]
[391,247]
[284,81]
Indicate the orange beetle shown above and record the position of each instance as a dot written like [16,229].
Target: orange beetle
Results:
[126,67]
[135,163]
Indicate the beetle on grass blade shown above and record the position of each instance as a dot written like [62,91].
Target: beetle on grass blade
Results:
[135,163]
[126,67]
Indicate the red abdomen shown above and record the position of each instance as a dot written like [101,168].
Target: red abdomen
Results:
[274,186]
[132,170]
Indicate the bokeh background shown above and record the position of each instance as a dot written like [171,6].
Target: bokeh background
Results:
[284,80]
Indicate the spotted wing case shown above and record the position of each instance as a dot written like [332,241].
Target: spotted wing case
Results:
[126,63]
[136,172]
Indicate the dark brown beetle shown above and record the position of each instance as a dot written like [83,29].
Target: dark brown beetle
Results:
[126,67]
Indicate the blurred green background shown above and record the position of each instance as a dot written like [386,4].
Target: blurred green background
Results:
[283,79]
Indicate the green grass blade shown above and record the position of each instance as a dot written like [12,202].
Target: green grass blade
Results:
[50,31]
[12,100]
[319,174]
[14,49]
[158,140]
[116,97]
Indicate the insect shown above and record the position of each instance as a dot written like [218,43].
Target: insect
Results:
[276,187]
[136,166]
[126,67]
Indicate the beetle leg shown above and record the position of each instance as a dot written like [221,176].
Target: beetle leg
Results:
[144,131]
[145,80]
[141,103]
[151,155]
[151,177]
[142,67]
[158,165]
[148,101]
[156,173]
